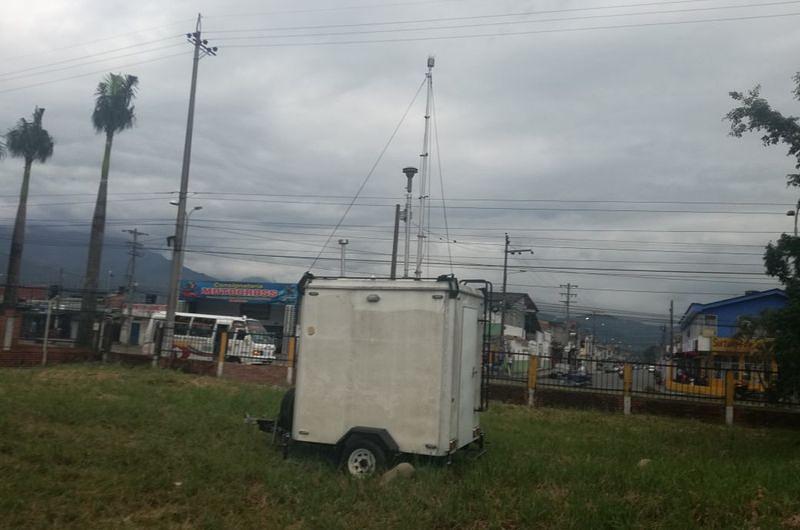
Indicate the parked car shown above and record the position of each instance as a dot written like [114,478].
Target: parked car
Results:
[578,378]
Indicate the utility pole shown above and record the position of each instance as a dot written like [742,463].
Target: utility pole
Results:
[200,45]
[568,296]
[506,253]
[663,349]
[134,253]
[423,175]
[671,330]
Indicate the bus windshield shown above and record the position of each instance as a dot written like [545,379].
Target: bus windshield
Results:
[254,327]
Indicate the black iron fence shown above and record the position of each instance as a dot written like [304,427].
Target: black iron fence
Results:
[235,347]
[747,383]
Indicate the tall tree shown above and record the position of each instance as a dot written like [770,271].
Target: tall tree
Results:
[781,259]
[29,141]
[113,113]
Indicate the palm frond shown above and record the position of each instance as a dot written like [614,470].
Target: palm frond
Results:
[29,140]
[113,110]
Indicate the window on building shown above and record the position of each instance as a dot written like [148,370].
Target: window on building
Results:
[710,321]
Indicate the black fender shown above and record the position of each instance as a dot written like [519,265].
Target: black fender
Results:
[381,434]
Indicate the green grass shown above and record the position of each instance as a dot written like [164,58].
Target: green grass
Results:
[110,447]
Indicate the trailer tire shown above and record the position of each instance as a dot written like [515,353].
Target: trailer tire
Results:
[362,457]
[286,414]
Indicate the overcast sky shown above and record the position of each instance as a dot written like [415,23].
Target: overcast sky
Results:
[557,113]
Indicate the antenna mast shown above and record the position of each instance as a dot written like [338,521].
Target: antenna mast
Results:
[423,174]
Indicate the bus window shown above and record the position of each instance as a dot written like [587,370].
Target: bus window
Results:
[202,327]
[237,330]
[254,327]
[181,325]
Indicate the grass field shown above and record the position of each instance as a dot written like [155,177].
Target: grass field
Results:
[110,447]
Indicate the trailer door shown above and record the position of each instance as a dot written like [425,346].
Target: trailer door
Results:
[468,380]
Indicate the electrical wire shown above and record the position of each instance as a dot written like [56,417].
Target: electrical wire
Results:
[467,17]
[516,33]
[96,72]
[89,56]
[370,172]
[501,23]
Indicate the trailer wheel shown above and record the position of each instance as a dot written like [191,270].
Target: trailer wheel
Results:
[286,414]
[362,457]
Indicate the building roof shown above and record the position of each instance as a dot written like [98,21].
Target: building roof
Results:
[513,298]
[695,308]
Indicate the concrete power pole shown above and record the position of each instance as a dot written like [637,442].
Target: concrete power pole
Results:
[568,296]
[134,253]
[671,330]
[506,253]
[200,45]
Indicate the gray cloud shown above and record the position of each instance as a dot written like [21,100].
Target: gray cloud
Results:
[625,114]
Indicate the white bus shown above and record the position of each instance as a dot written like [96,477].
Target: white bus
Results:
[195,335]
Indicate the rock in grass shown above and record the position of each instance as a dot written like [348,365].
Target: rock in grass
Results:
[403,470]
[644,462]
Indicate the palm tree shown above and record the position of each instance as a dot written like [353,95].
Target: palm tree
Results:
[113,113]
[29,141]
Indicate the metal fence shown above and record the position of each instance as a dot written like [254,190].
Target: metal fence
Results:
[750,383]
[234,347]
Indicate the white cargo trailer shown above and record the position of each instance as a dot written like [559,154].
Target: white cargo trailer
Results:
[387,367]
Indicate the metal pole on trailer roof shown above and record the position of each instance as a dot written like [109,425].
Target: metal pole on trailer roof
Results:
[423,175]
[342,243]
[393,269]
[409,172]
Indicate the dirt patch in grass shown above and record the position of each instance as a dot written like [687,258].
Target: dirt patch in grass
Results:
[74,375]
[792,522]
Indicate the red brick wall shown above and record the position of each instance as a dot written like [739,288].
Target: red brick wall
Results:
[17,359]
[266,374]
[549,397]
[764,417]
[710,411]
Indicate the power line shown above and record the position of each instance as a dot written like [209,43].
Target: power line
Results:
[329,9]
[89,56]
[492,24]
[451,19]
[370,172]
[490,208]
[95,41]
[105,70]
[392,199]
[515,33]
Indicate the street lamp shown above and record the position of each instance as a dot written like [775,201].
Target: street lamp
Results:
[795,213]
[342,243]
[174,202]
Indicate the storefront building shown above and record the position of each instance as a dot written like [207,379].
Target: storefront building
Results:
[272,304]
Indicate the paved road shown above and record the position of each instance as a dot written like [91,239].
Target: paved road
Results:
[642,381]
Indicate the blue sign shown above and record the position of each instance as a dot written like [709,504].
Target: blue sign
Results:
[239,292]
